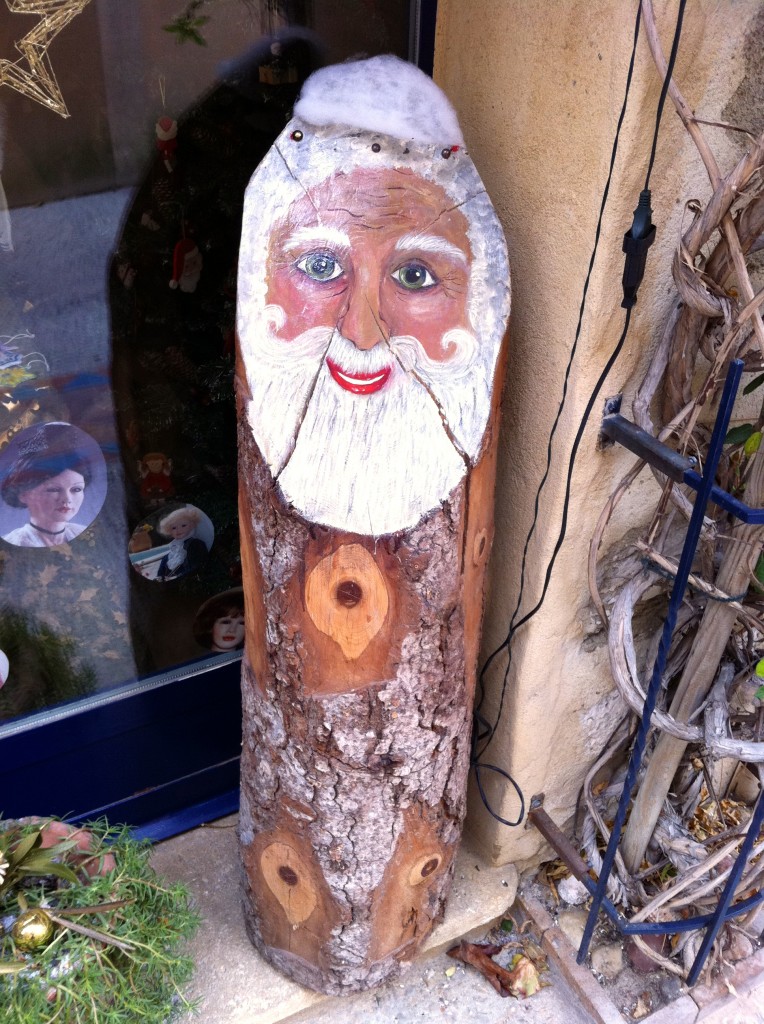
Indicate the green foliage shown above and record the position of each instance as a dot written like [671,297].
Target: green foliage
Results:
[753,443]
[739,434]
[753,384]
[124,962]
[44,666]
[760,669]
[24,858]
[186,27]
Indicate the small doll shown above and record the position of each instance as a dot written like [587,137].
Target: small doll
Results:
[155,471]
[186,551]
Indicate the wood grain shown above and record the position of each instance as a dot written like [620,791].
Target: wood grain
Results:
[346,597]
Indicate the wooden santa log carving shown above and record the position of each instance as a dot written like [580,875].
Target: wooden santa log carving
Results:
[373,300]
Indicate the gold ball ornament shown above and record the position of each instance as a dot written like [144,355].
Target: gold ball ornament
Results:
[32,930]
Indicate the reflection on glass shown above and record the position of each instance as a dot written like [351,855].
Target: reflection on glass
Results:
[45,486]
[219,623]
[171,544]
[46,666]
[119,234]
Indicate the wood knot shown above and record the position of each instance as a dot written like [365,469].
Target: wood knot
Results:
[430,866]
[480,547]
[346,598]
[424,868]
[348,593]
[288,875]
[290,879]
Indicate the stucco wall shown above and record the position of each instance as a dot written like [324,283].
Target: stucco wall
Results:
[538,89]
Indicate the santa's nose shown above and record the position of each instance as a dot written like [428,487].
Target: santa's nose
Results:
[361,321]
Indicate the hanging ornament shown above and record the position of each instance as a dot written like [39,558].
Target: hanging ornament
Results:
[166,130]
[32,930]
[37,80]
[186,265]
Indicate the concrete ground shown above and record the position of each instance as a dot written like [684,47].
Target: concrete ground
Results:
[234,985]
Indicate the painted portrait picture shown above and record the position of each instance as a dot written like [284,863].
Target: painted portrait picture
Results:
[219,623]
[53,485]
[171,543]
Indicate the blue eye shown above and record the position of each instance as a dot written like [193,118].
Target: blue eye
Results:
[414,277]
[320,266]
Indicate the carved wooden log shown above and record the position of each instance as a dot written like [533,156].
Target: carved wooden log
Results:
[373,299]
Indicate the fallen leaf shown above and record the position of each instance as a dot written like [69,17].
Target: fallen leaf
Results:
[450,972]
[642,1007]
[524,977]
[535,954]
[520,982]
[89,594]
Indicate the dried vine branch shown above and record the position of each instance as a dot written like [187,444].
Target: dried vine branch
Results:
[717,316]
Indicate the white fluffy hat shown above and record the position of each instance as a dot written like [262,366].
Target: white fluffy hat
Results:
[382,94]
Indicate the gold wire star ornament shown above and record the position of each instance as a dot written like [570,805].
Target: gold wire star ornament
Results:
[37,80]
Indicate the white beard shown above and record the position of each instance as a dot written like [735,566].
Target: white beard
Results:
[459,384]
[280,375]
[369,464]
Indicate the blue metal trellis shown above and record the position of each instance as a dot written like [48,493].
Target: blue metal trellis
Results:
[679,469]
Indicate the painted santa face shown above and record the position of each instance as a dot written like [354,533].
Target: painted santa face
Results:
[376,255]
[55,501]
[228,632]
[370,305]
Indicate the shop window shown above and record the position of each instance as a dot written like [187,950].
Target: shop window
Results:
[125,149]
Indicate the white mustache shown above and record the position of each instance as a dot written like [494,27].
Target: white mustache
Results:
[318,342]
[412,355]
[310,345]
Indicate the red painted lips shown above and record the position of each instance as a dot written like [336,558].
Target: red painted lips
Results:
[359,383]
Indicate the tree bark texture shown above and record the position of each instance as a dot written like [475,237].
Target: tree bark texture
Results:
[357,683]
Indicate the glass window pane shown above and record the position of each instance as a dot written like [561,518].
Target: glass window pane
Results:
[124,155]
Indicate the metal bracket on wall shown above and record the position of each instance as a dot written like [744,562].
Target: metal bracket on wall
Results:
[681,470]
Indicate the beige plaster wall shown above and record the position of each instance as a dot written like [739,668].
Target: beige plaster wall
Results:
[538,89]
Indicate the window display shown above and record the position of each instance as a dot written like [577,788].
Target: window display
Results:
[128,133]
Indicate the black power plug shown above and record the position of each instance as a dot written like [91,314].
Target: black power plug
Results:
[636,242]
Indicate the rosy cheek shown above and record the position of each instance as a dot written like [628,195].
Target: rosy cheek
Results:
[427,319]
[305,304]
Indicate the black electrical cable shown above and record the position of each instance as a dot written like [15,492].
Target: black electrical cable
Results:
[665,87]
[636,243]
[512,626]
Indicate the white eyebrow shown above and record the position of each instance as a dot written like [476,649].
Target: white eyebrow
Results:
[432,243]
[319,233]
